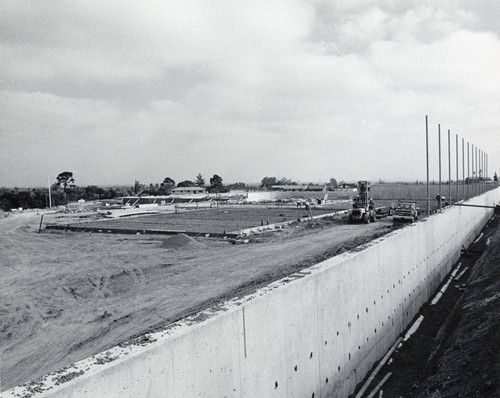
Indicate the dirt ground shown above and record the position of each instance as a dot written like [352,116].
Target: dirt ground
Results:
[67,295]
[214,220]
[456,350]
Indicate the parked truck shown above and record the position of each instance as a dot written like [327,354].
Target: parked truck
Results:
[405,212]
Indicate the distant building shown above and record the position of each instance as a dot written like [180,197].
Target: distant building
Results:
[298,188]
[316,188]
[188,190]
[293,188]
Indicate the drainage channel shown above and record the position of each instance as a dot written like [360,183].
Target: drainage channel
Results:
[414,357]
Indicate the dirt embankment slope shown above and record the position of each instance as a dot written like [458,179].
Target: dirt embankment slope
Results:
[66,296]
[466,358]
[456,350]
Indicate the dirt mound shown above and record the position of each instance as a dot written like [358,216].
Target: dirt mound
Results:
[180,241]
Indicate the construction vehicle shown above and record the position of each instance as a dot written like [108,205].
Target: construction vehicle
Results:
[363,209]
[383,211]
[405,211]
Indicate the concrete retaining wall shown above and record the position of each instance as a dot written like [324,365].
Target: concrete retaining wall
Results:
[314,334]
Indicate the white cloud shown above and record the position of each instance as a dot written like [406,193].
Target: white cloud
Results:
[304,89]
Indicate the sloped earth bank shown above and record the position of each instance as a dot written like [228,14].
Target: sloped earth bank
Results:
[66,296]
[456,350]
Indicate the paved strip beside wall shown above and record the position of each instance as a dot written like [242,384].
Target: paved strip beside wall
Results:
[313,334]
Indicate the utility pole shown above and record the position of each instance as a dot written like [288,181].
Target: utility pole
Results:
[50,195]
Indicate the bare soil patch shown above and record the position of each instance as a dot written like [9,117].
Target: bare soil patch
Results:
[212,220]
[66,296]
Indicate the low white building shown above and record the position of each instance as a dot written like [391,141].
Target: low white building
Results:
[188,190]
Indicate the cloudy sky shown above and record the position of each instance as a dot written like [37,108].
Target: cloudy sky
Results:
[118,91]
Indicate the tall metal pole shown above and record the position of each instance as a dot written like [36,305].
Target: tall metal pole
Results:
[477,172]
[485,171]
[449,169]
[487,167]
[476,189]
[439,139]
[472,166]
[456,162]
[468,172]
[486,164]
[427,160]
[463,169]
[480,171]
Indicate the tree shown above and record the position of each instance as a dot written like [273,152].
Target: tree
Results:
[216,184]
[65,184]
[268,182]
[332,183]
[200,181]
[138,187]
[495,177]
[166,186]
[285,181]
[168,181]
[65,179]
[186,183]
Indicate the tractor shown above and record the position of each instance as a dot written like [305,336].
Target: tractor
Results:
[363,209]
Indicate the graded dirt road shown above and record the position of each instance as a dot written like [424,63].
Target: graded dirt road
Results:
[67,295]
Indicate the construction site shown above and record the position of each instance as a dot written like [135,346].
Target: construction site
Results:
[283,296]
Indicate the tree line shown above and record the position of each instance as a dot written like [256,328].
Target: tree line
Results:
[64,190]
[38,198]
[268,182]
[168,184]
